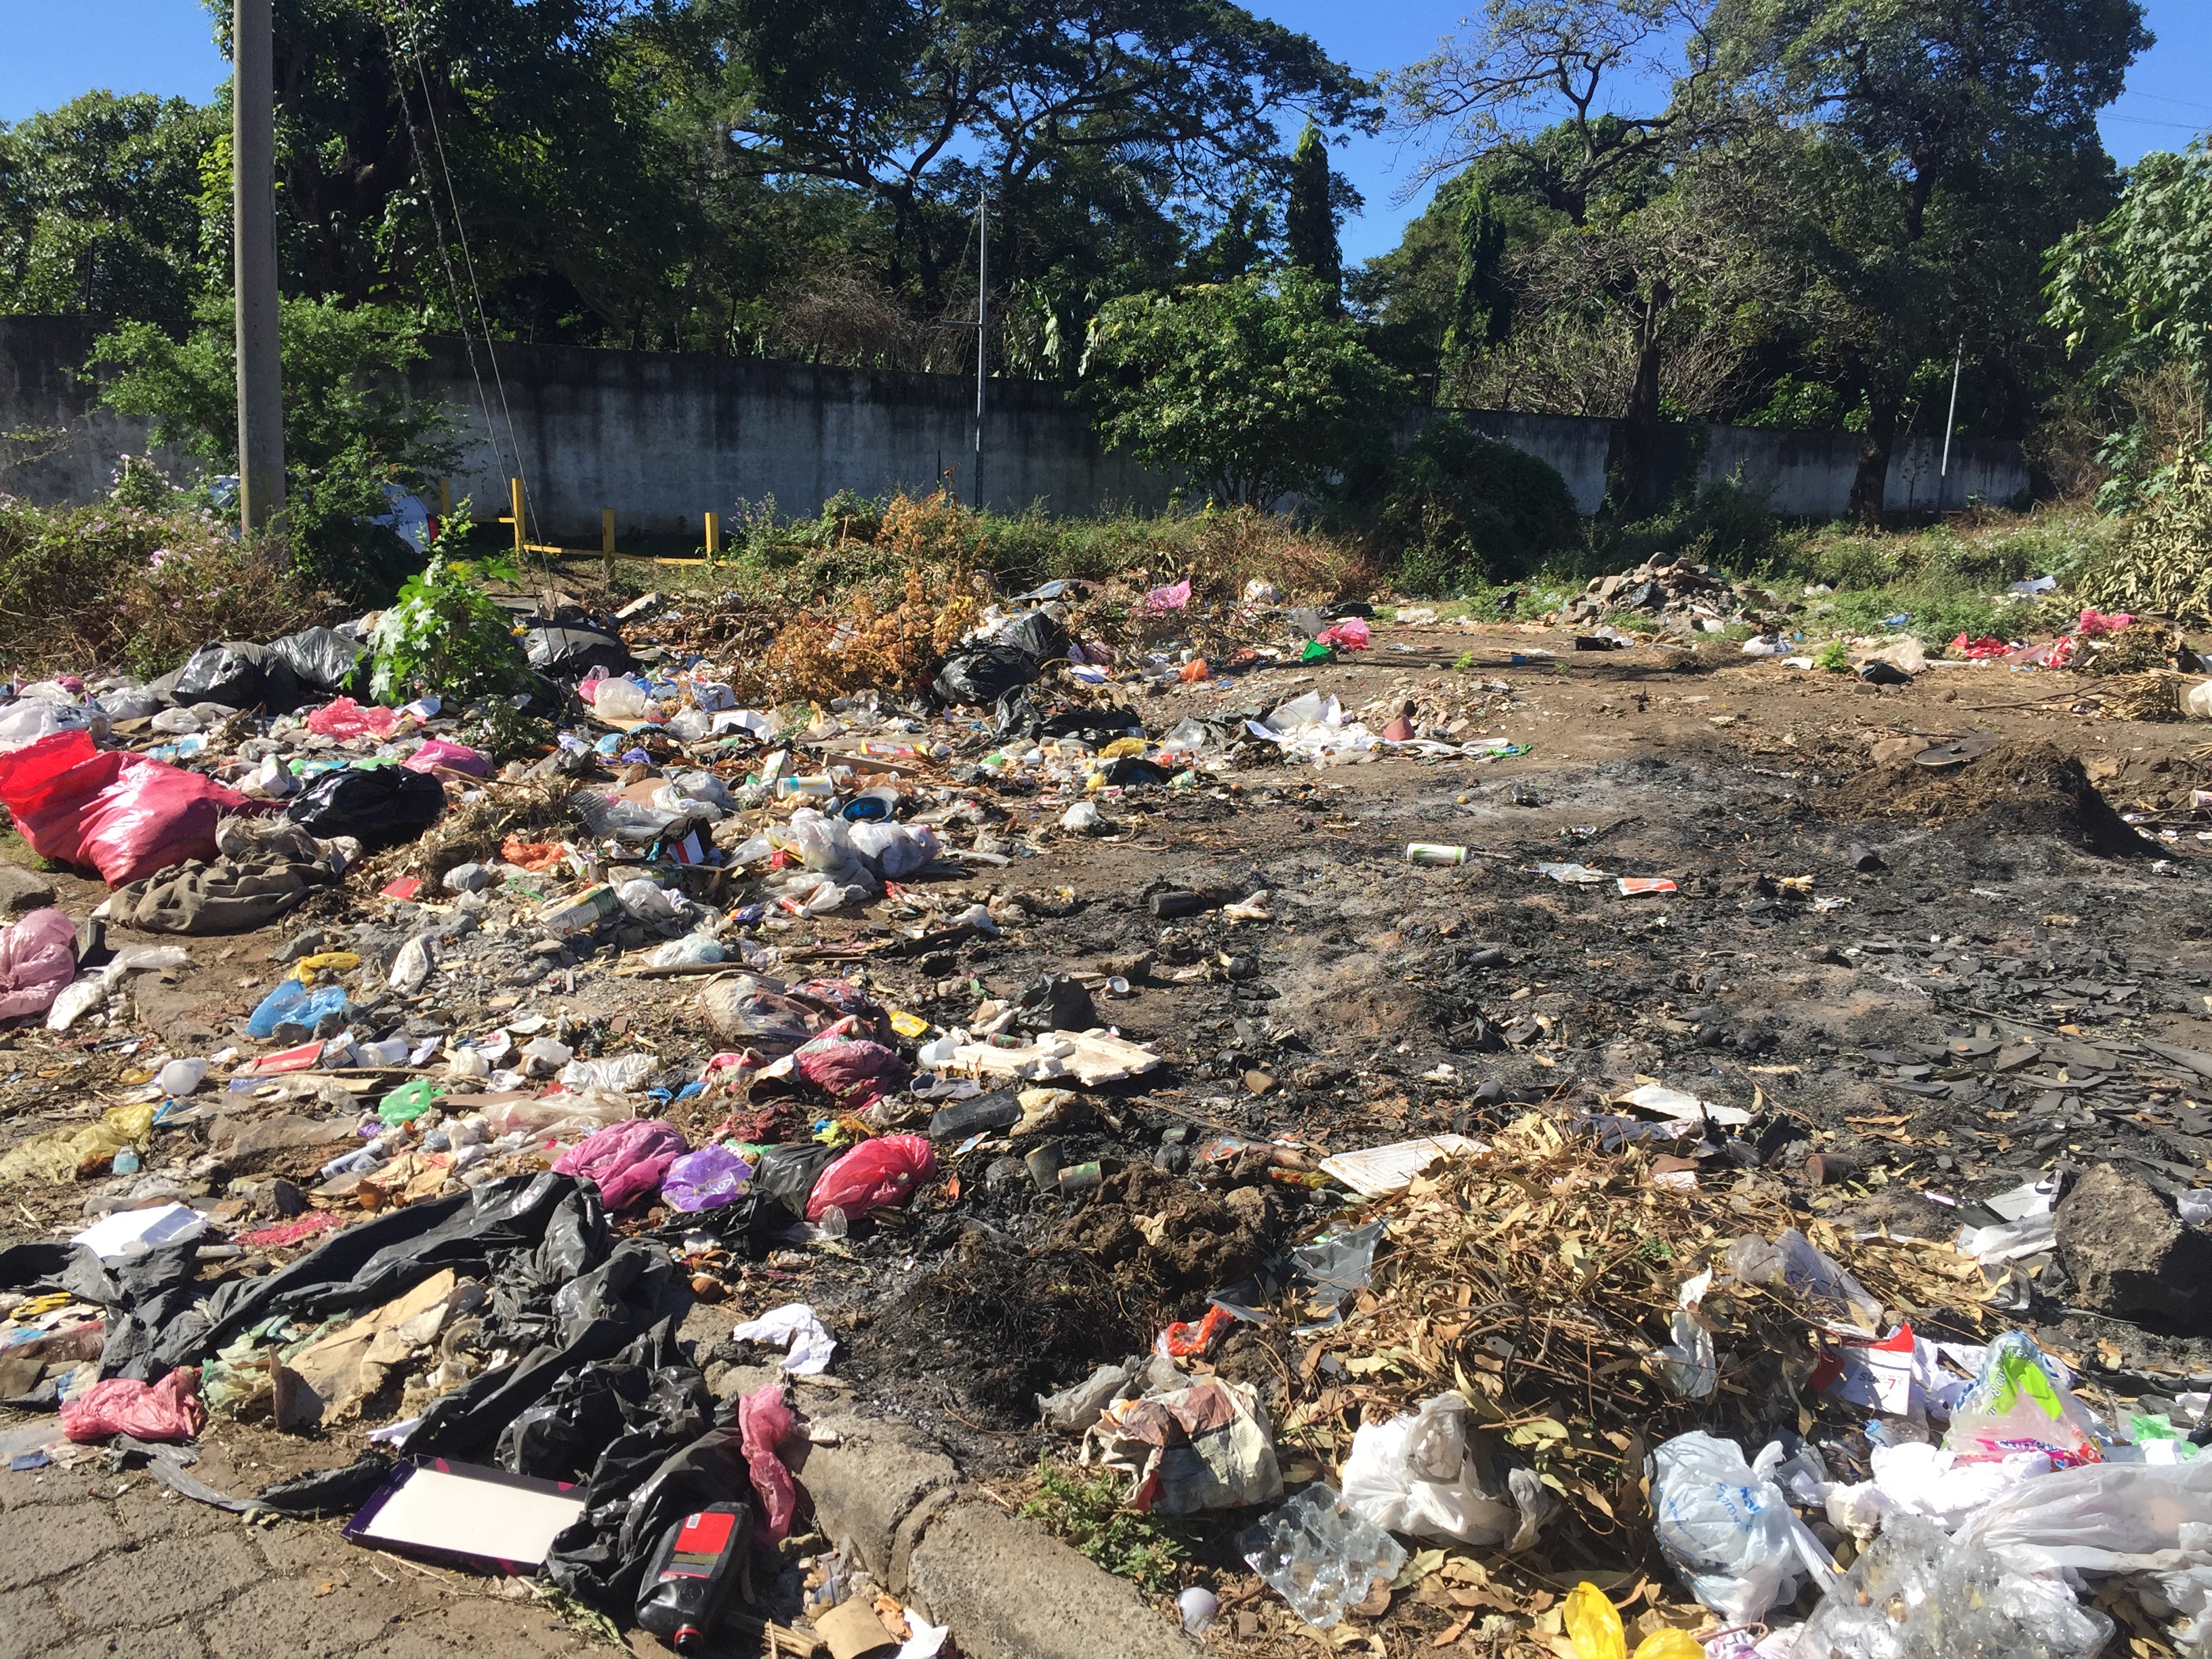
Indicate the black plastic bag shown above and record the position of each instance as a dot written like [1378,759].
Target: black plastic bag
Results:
[377,805]
[1035,635]
[595,1317]
[239,675]
[985,674]
[322,660]
[569,654]
[602,1556]
[785,1176]
[551,1217]
[326,1491]
[1056,1002]
[648,1388]
[1124,771]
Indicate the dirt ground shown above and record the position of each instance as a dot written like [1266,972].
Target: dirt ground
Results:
[2049,889]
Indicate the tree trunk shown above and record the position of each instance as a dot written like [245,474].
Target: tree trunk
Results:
[1871,482]
[1646,489]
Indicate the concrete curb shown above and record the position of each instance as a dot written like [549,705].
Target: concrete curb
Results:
[1008,1590]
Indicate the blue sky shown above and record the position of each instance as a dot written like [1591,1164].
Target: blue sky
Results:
[57,49]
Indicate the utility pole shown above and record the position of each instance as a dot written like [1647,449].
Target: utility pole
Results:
[1951,420]
[253,243]
[982,333]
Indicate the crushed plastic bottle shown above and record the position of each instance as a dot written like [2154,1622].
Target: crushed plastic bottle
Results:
[1319,1556]
[180,1077]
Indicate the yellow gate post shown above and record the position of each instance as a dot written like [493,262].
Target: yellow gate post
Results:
[606,542]
[521,540]
[713,539]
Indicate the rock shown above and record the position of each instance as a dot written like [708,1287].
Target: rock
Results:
[2129,1257]
[22,890]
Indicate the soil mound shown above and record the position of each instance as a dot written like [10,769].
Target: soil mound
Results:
[1186,1240]
[2022,788]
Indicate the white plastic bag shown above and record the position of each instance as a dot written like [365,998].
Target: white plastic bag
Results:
[646,900]
[1412,1475]
[1728,1532]
[622,1075]
[2103,1518]
[894,850]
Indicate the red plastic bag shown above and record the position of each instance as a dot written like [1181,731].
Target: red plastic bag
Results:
[874,1173]
[1351,634]
[167,1410]
[344,718]
[47,785]
[152,816]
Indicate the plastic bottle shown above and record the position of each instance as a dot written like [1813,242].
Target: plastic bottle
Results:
[687,1582]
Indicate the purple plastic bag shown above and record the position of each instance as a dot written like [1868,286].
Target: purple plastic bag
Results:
[705,1179]
[627,1159]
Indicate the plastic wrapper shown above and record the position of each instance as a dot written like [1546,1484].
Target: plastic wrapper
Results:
[588,1111]
[2020,1402]
[377,805]
[873,1174]
[167,1410]
[621,1074]
[743,1011]
[627,1160]
[1415,1475]
[705,1179]
[57,1155]
[1916,1594]
[1727,1530]
[1319,1556]
[343,717]
[38,957]
[1193,1445]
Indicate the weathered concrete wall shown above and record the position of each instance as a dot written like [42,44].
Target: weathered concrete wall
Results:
[663,439]
[55,445]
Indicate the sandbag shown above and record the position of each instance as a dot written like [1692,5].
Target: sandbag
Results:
[377,805]
[239,674]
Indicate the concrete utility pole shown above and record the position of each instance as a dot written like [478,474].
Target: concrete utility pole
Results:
[253,243]
[982,334]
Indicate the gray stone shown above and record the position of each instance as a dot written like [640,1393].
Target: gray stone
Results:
[2129,1257]
[22,890]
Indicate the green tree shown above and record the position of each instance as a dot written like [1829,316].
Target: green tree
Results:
[1310,214]
[1951,141]
[351,425]
[2133,295]
[100,207]
[1482,301]
[1254,387]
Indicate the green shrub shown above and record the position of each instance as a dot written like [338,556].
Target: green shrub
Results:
[1464,509]
[1085,1511]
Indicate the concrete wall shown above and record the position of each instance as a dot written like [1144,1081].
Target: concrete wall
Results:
[663,438]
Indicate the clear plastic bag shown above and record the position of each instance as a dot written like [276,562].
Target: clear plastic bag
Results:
[1727,1530]
[1793,1266]
[1319,1556]
[1411,1474]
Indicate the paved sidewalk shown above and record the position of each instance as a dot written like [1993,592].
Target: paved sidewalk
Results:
[93,1563]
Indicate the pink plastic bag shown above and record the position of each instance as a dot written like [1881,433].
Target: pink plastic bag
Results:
[453,757]
[152,816]
[1351,634]
[344,717]
[627,1159]
[38,956]
[858,1072]
[765,1422]
[1161,599]
[167,1410]
[2094,623]
[874,1173]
